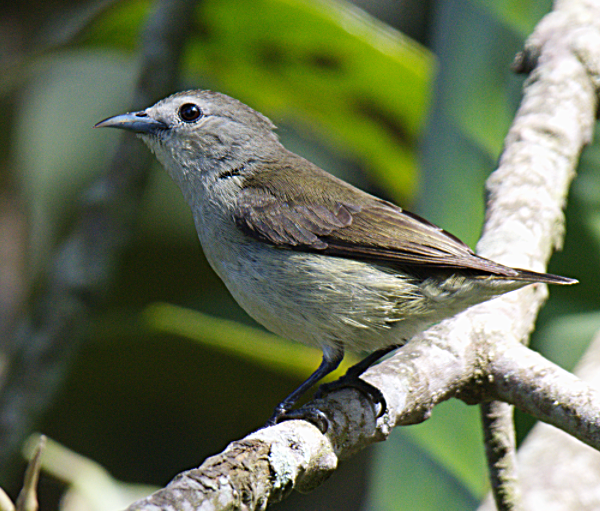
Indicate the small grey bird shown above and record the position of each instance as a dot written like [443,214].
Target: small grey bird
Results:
[307,255]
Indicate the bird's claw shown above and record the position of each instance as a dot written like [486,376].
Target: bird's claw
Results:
[307,413]
[372,392]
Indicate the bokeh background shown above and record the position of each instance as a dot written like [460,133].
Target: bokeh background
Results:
[408,99]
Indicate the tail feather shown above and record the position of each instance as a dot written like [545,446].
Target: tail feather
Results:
[546,278]
[517,274]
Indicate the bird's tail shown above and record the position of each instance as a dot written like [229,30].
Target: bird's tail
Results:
[546,278]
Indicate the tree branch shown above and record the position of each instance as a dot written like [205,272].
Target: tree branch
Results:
[557,472]
[574,48]
[265,465]
[500,450]
[549,393]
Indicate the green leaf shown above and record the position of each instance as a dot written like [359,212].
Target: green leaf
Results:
[325,65]
[240,340]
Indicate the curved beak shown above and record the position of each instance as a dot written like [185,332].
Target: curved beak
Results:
[138,122]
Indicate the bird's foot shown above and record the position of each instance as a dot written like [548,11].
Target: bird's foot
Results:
[353,381]
[307,413]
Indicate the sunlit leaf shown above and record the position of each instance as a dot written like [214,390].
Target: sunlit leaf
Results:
[350,79]
[240,340]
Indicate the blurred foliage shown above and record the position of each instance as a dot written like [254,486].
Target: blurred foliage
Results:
[247,342]
[352,95]
[89,486]
[407,477]
[326,65]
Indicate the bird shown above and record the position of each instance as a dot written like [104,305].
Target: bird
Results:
[307,255]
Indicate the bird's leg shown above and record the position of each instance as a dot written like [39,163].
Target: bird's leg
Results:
[351,378]
[331,360]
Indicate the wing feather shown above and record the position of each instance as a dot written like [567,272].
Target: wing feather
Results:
[338,219]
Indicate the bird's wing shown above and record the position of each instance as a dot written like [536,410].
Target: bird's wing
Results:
[331,217]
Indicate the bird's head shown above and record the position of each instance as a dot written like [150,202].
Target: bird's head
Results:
[200,132]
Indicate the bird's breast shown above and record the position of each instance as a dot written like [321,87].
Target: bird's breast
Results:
[312,298]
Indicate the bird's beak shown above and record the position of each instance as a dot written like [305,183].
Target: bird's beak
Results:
[138,122]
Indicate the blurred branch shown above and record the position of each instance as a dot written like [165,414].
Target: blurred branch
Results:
[89,486]
[476,355]
[27,499]
[83,265]
[42,32]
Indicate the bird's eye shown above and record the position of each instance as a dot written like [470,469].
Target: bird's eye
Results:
[189,112]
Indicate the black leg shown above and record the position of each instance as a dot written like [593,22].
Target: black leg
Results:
[351,378]
[357,369]
[329,363]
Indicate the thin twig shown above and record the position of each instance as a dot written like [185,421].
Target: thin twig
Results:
[500,449]
[27,499]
